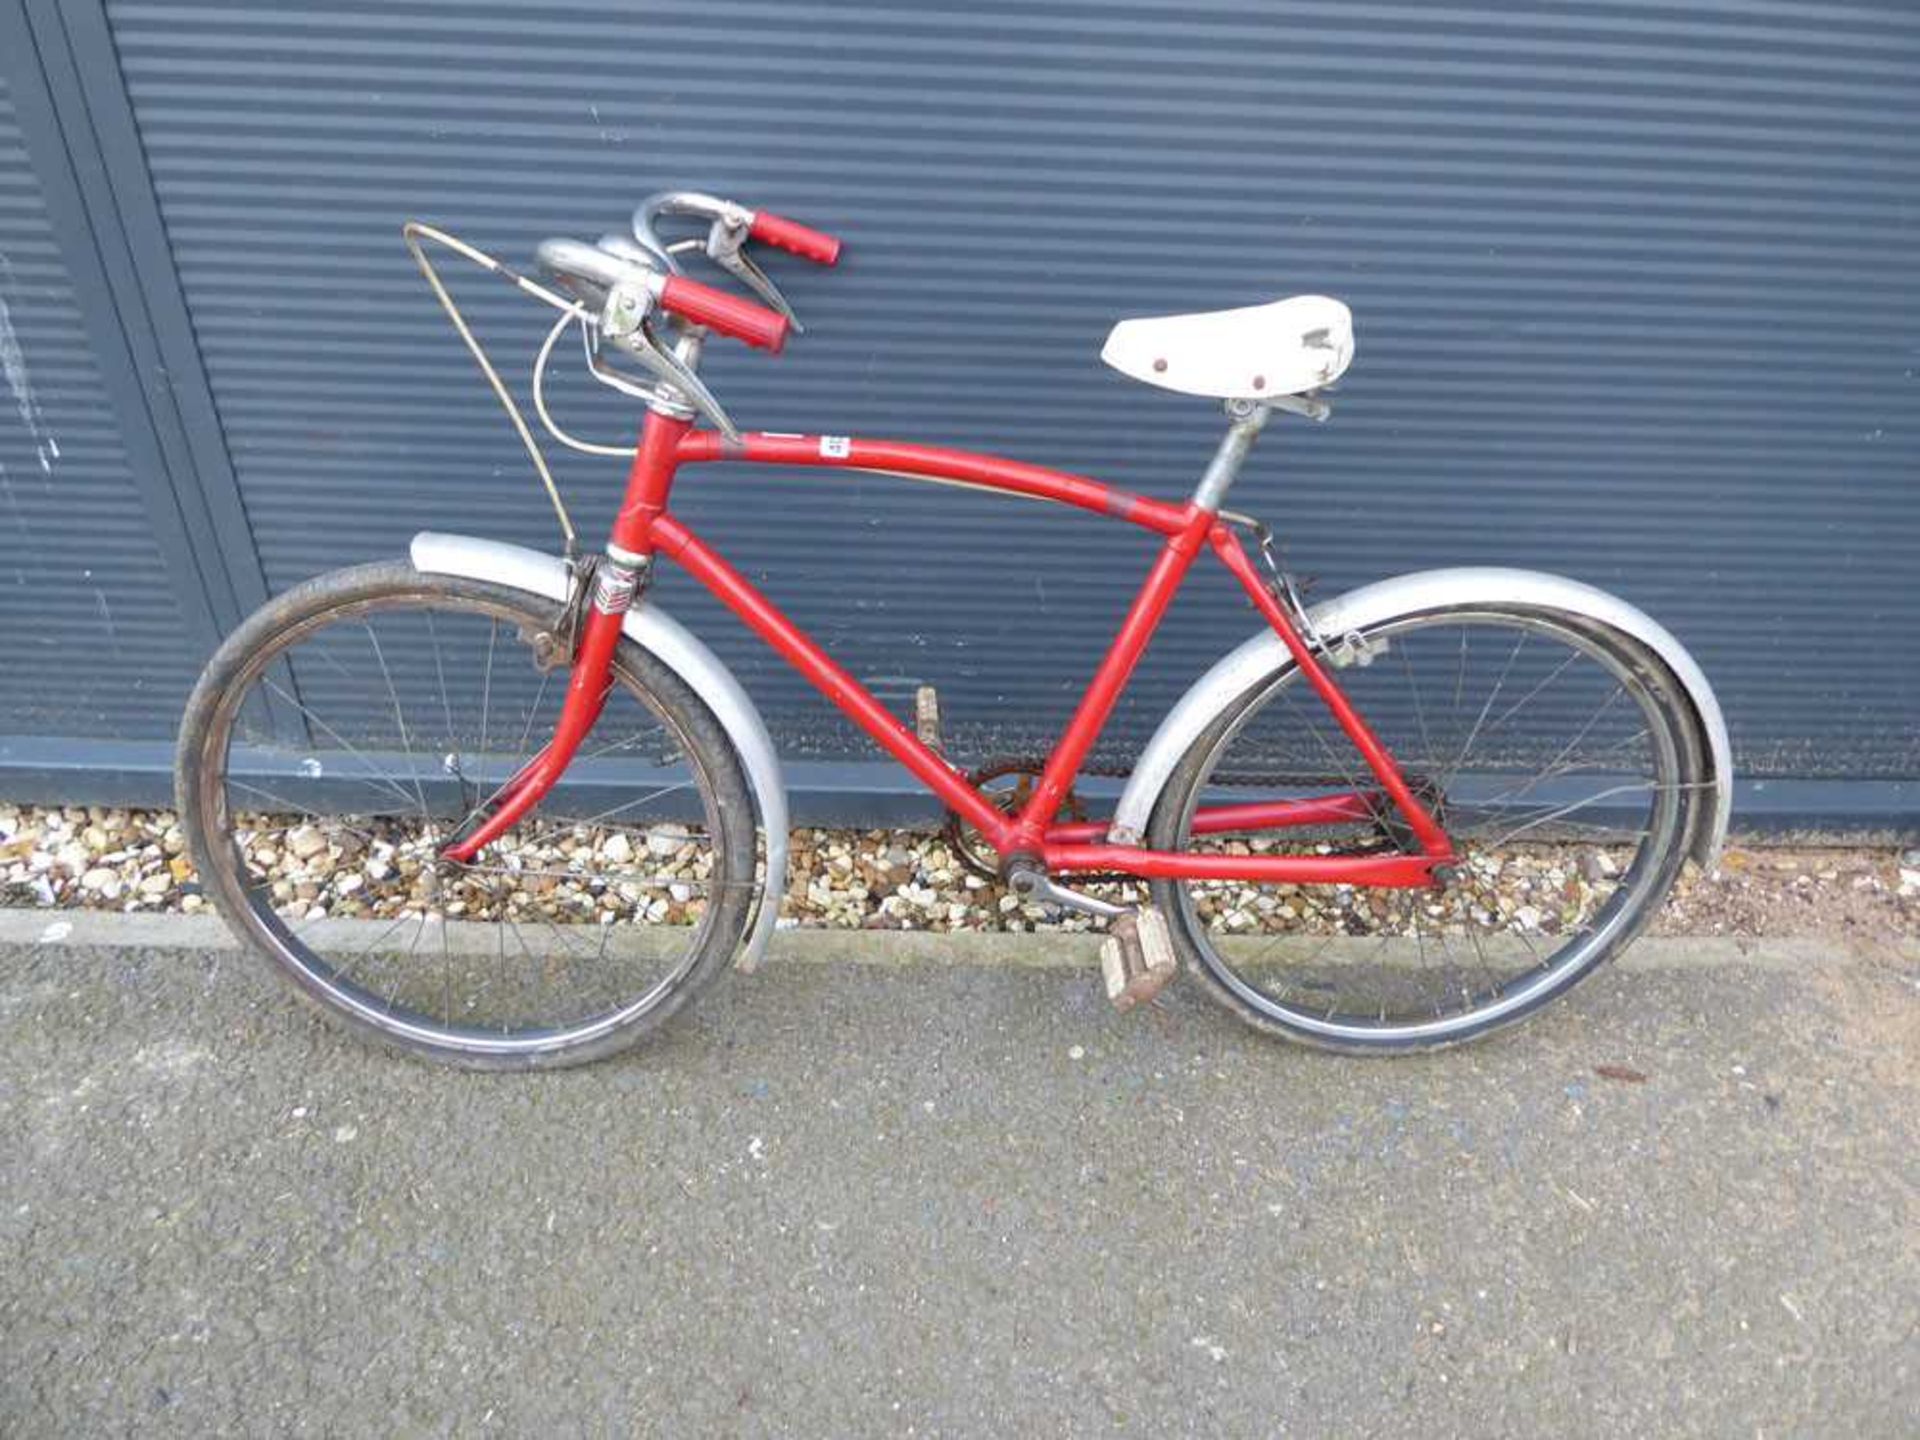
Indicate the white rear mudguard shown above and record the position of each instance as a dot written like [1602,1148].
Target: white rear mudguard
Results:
[670,642]
[1265,654]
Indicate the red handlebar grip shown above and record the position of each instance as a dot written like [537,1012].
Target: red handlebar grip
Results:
[802,240]
[728,314]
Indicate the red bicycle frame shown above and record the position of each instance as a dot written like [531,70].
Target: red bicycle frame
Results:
[645,527]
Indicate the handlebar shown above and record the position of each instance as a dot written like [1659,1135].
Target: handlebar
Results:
[729,227]
[724,313]
[733,223]
[797,239]
[620,282]
[605,272]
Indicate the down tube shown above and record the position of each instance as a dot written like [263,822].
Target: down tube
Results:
[848,695]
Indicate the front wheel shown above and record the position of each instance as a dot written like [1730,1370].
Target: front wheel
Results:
[1560,755]
[347,730]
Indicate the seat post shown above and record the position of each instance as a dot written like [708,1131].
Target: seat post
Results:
[1246,419]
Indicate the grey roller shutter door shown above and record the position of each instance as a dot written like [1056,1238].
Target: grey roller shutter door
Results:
[1637,291]
[92,642]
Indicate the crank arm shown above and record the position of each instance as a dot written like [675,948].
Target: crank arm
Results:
[1035,885]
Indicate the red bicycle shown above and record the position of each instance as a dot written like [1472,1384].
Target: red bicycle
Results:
[1399,819]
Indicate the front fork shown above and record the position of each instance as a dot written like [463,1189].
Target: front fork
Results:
[614,585]
[616,578]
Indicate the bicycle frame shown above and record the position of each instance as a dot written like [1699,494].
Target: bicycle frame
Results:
[645,527]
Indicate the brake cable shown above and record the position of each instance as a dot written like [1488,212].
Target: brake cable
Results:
[414,232]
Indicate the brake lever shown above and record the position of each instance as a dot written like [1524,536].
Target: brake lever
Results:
[726,240]
[726,243]
[627,322]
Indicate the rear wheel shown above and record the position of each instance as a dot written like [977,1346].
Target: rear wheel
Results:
[1562,759]
[345,731]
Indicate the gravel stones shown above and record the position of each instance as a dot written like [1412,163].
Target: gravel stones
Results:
[107,858]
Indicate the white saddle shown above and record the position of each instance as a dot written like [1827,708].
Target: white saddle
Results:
[1284,348]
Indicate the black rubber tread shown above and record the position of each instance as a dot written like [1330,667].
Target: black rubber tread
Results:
[204,724]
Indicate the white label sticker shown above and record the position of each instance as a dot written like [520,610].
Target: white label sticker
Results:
[836,447]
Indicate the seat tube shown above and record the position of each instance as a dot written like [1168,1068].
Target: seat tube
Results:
[1103,691]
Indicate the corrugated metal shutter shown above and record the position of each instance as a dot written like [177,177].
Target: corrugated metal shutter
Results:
[91,640]
[1637,292]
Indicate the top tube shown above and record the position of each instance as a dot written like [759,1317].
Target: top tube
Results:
[932,462]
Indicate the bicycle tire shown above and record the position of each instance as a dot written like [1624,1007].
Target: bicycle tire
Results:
[274,631]
[1650,883]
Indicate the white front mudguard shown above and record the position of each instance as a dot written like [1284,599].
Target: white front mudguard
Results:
[675,646]
[1265,654]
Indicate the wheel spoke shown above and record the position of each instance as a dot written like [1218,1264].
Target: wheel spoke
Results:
[400,719]
[379,772]
[1525,909]
[1466,746]
[378,926]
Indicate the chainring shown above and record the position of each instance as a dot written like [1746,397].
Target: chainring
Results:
[967,842]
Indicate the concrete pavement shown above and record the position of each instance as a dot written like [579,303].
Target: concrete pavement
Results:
[923,1195]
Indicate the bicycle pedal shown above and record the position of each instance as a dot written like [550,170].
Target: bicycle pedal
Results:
[926,718]
[1137,958]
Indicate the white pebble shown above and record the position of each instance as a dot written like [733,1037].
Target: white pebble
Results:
[666,840]
[306,842]
[101,881]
